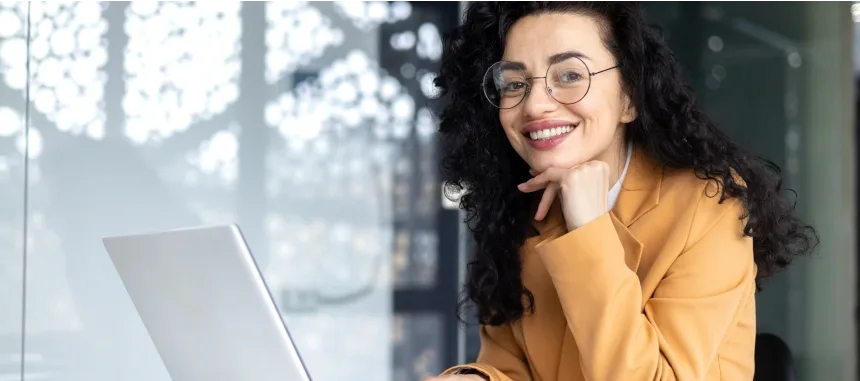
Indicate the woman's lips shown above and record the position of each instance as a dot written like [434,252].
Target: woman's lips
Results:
[549,138]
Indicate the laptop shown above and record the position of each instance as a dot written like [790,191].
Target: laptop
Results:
[206,306]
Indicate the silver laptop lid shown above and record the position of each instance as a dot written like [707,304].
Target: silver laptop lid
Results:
[206,306]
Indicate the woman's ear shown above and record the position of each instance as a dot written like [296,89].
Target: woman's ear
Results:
[629,113]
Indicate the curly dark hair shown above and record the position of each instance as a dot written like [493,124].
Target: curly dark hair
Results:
[670,127]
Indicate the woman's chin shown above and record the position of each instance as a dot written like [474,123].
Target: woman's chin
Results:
[544,163]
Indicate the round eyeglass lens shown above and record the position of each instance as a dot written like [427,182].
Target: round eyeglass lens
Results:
[568,80]
[505,84]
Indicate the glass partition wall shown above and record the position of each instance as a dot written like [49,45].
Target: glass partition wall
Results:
[306,123]
[13,177]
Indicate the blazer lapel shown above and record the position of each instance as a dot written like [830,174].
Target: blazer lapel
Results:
[640,191]
[632,246]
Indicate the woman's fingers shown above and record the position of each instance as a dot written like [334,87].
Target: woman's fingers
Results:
[542,180]
[548,181]
[546,201]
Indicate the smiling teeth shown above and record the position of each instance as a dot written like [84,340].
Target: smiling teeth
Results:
[550,132]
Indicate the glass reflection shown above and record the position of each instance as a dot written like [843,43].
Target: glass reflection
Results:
[67,56]
[143,119]
[181,65]
[297,33]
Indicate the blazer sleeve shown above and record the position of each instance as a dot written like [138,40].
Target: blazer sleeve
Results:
[676,336]
[500,358]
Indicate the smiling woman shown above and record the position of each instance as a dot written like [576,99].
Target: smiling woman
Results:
[620,234]
[560,126]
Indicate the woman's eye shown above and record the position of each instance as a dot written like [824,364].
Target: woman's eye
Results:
[514,87]
[570,76]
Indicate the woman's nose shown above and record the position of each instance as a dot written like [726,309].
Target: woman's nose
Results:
[538,100]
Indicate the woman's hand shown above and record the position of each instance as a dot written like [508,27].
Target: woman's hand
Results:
[457,377]
[583,191]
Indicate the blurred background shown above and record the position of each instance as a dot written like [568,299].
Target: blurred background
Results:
[308,124]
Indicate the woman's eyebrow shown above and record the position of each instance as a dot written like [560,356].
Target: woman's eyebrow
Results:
[558,57]
[555,58]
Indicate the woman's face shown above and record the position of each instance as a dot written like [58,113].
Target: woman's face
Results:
[545,132]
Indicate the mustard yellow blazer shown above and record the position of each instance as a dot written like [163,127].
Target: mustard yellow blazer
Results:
[660,288]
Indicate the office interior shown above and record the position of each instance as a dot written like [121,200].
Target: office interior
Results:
[309,124]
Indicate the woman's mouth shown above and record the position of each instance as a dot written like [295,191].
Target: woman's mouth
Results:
[549,138]
[550,133]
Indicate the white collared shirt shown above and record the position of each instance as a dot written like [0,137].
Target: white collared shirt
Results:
[616,189]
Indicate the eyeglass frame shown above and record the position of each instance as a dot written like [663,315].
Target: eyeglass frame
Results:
[546,83]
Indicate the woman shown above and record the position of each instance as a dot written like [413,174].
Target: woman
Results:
[620,235]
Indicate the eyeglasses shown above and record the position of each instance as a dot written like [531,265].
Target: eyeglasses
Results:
[567,81]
